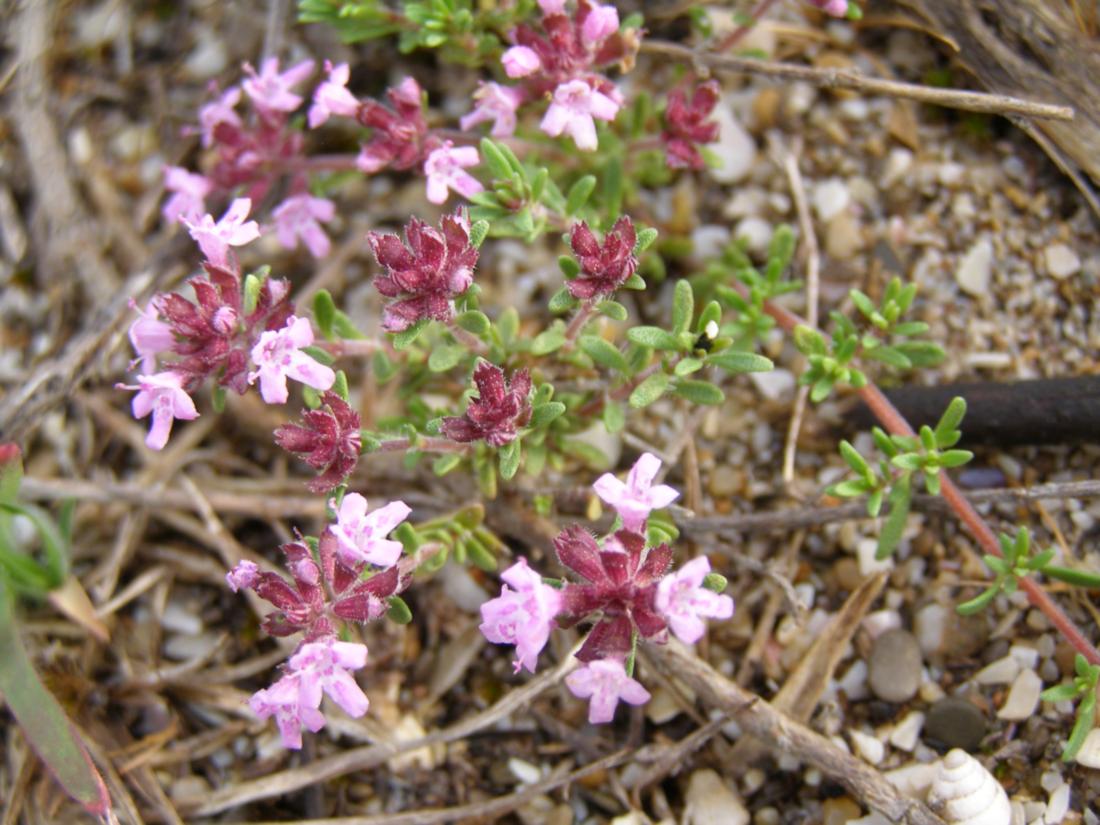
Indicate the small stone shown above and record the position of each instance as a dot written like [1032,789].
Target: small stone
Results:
[1057,805]
[913,779]
[930,627]
[735,148]
[725,481]
[1023,697]
[524,772]
[865,553]
[868,747]
[854,681]
[1000,672]
[843,237]
[839,810]
[976,268]
[907,733]
[757,234]
[847,574]
[711,801]
[894,666]
[774,385]
[955,723]
[830,198]
[898,162]
[1061,261]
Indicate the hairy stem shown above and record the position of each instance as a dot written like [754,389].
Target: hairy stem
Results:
[424,444]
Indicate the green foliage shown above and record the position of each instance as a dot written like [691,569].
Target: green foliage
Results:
[903,457]
[752,322]
[461,535]
[1083,686]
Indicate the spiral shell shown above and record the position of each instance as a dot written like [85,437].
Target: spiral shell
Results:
[966,793]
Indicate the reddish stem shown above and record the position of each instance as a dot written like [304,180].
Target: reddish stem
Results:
[890,418]
[425,444]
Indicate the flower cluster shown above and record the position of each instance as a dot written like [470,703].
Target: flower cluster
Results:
[500,408]
[255,153]
[561,61]
[426,272]
[686,125]
[623,586]
[603,268]
[327,589]
[328,439]
[215,335]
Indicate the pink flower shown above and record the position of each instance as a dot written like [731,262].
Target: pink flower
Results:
[188,194]
[278,355]
[150,336]
[604,682]
[836,8]
[284,701]
[323,666]
[245,575]
[270,90]
[500,408]
[498,104]
[603,268]
[523,616]
[444,170]
[520,61]
[214,239]
[636,498]
[600,23]
[332,96]
[552,6]
[572,110]
[682,599]
[220,113]
[298,216]
[161,394]
[686,125]
[399,130]
[362,535]
[328,439]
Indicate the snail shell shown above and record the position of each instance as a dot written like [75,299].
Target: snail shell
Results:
[967,794]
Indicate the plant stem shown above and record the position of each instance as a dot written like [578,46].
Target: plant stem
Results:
[584,314]
[424,444]
[466,338]
[895,423]
[352,347]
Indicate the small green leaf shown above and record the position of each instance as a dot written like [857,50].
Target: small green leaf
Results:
[479,554]
[890,356]
[978,603]
[321,356]
[548,340]
[781,247]
[508,326]
[543,414]
[635,281]
[478,232]
[603,352]
[852,488]
[562,301]
[510,455]
[614,417]
[579,193]
[715,582]
[653,337]
[1080,578]
[404,339]
[474,321]
[922,353]
[854,460]
[686,366]
[569,266]
[644,240]
[908,461]
[809,341]
[1086,718]
[445,463]
[1060,693]
[445,357]
[340,385]
[737,361]
[324,312]
[683,306]
[399,612]
[650,390]
[495,159]
[699,392]
[949,421]
[899,501]
[253,285]
[874,503]
[955,458]
[612,309]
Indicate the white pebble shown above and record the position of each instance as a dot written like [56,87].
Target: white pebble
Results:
[1061,261]
[868,564]
[854,681]
[1089,755]
[930,627]
[907,733]
[830,198]
[711,801]
[1026,656]
[757,234]
[774,385]
[735,148]
[898,162]
[1023,696]
[913,779]
[976,268]
[525,772]
[869,747]
[1057,805]
[1000,672]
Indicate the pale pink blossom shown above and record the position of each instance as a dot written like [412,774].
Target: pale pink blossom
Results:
[163,396]
[444,169]
[634,500]
[600,24]
[332,96]
[278,355]
[496,103]
[284,701]
[300,217]
[520,61]
[149,337]
[572,109]
[552,6]
[214,239]
[684,602]
[271,89]
[189,192]
[604,683]
[522,616]
[324,666]
[362,535]
[244,575]
[835,8]
[218,112]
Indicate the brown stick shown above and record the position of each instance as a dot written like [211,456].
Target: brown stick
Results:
[758,718]
[848,79]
